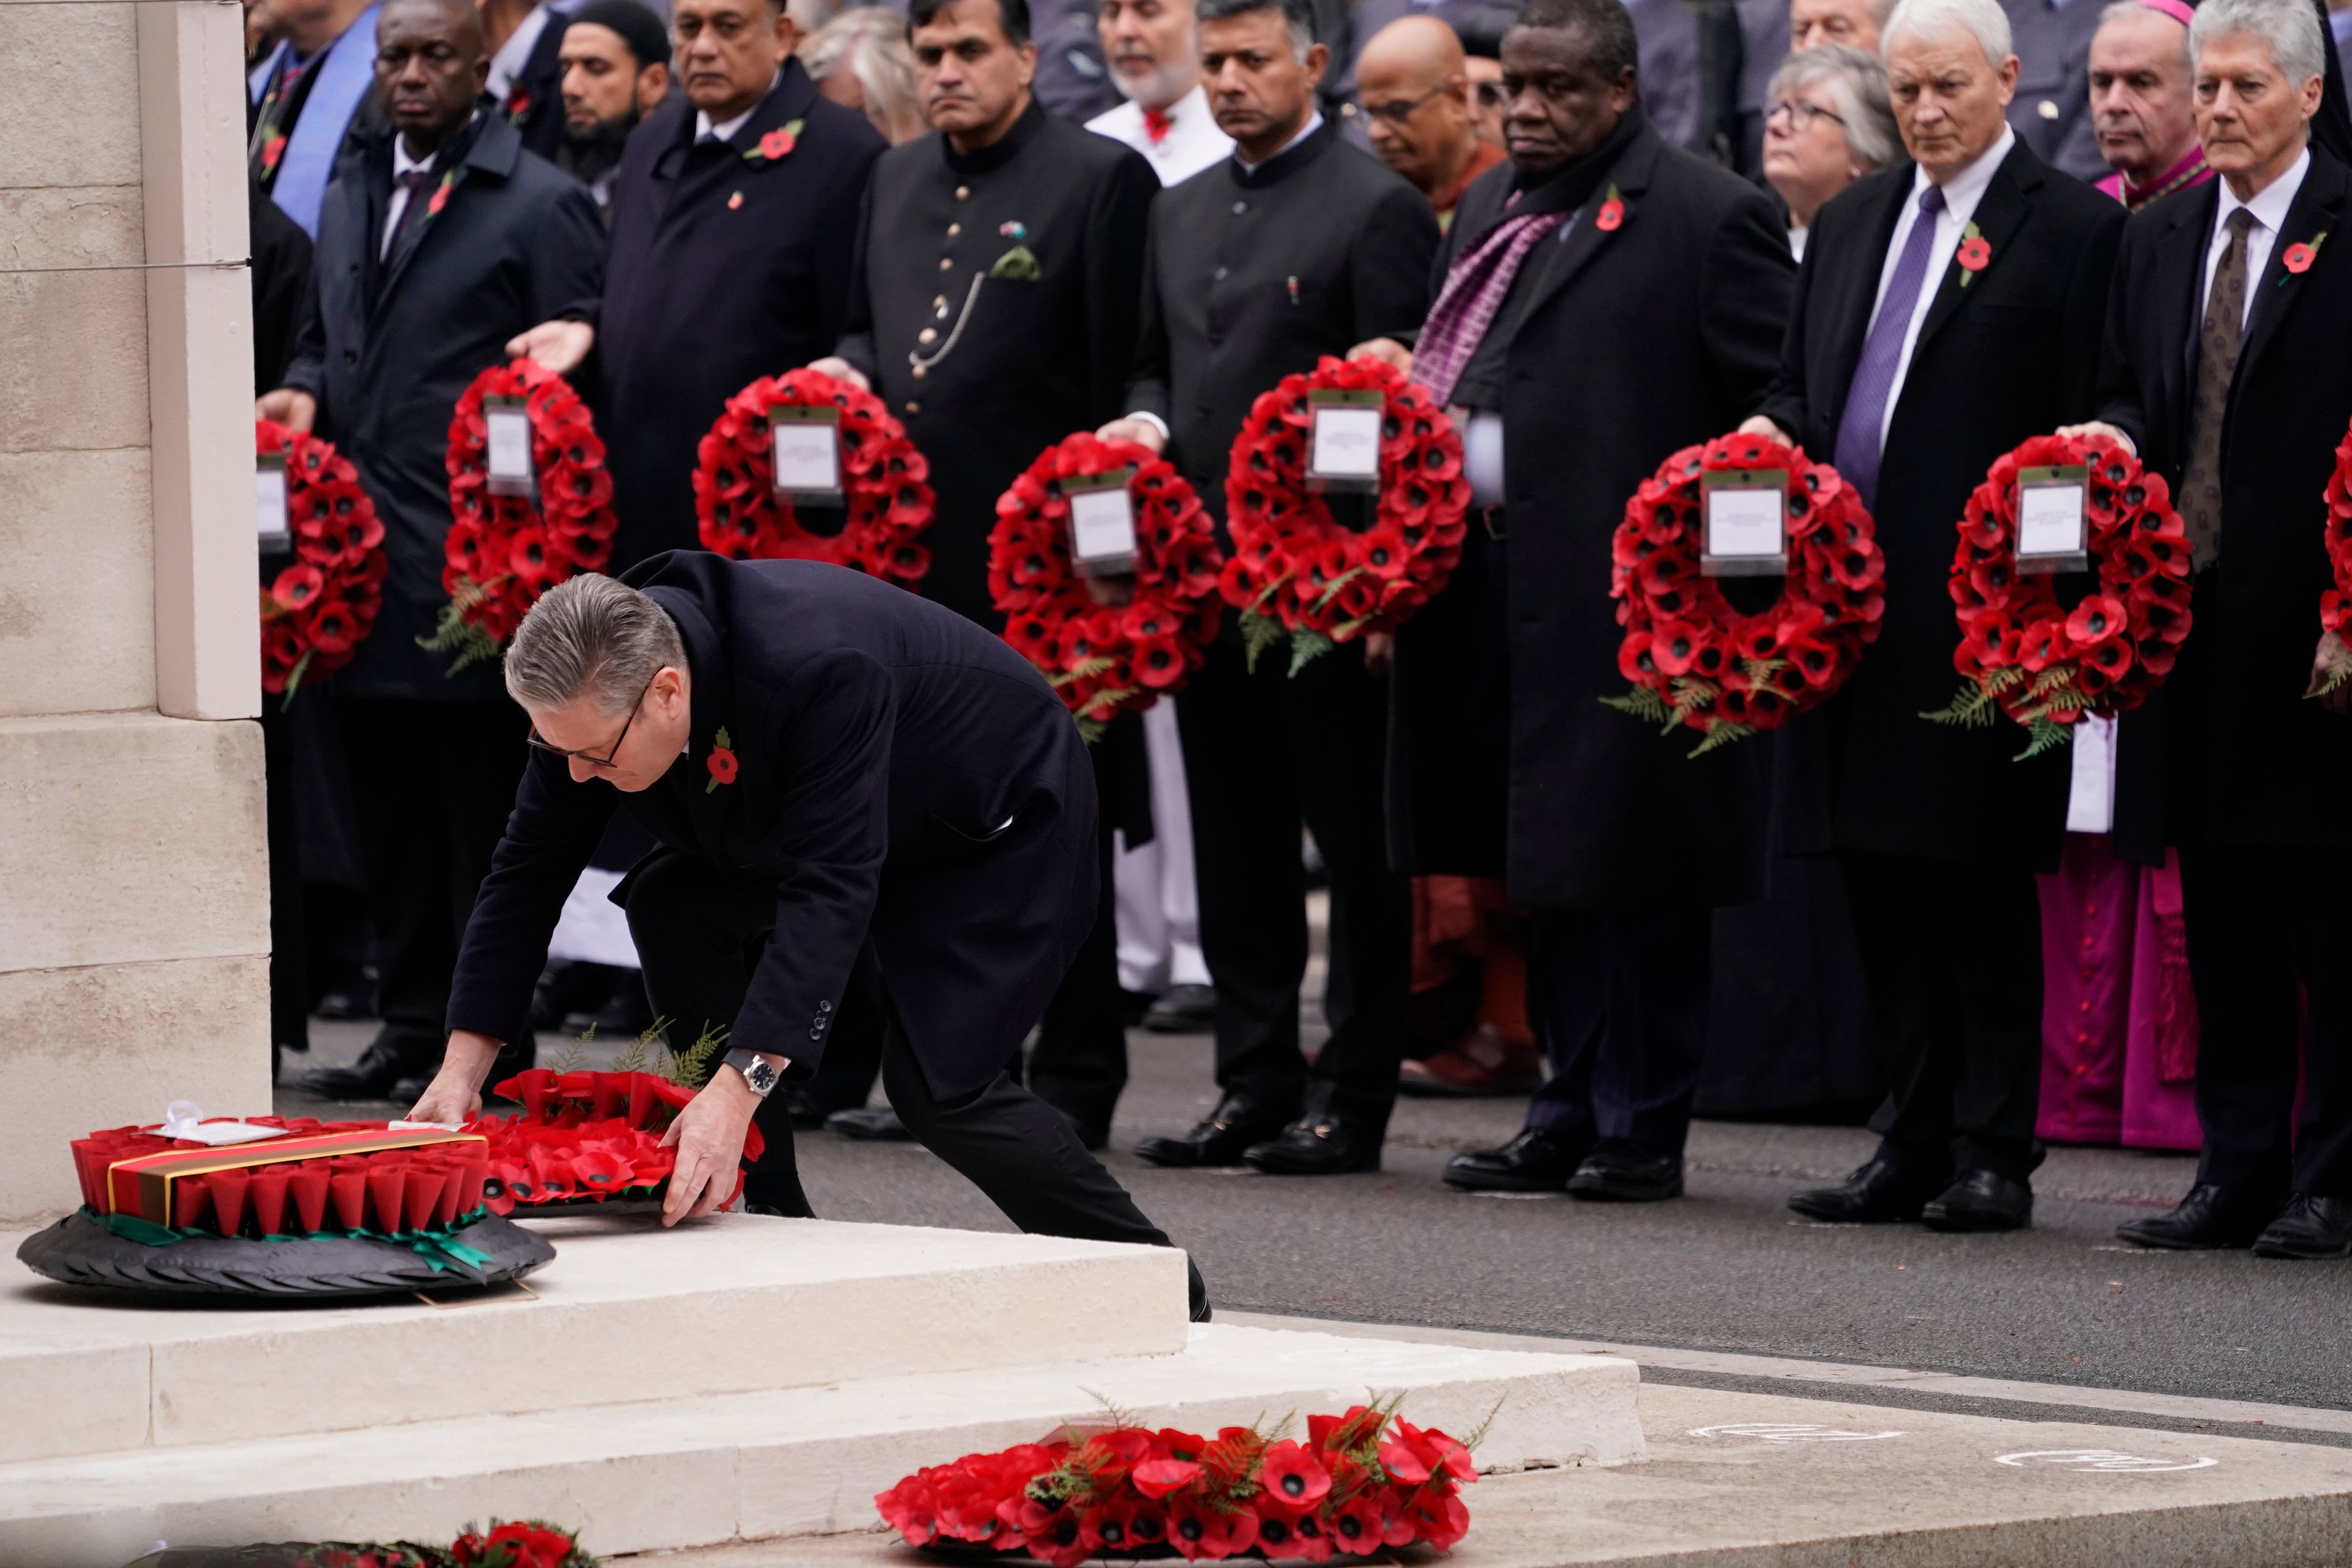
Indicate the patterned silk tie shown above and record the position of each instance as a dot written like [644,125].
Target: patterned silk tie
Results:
[1862,429]
[2217,362]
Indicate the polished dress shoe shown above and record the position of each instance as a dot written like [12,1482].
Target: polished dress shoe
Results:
[1316,1146]
[1623,1175]
[1534,1162]
[1879,1193]
[390,1060]
[2210,1218]
[1232,1127]
[878,1125]
[1979,1200]
[1182,1010]
[2310,1228]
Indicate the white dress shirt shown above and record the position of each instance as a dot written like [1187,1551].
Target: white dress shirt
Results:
[2269,207]
[515,53]
[1962,192]
[1192,142]
[402,163]
[725,130]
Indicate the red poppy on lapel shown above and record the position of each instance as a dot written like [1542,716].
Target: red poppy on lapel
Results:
[1975,252]
[776,143]
[441,194]
[271,151]
[1611,213]
[721,761]
[2299,257]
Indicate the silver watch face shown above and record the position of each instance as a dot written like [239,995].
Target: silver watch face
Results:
[760,1073]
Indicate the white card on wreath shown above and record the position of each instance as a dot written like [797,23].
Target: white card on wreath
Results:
[269,498]
[2051,524]
[506,425]
[1745,522]
[1102,526]
[1346,445]
[185,1119]
[805,450]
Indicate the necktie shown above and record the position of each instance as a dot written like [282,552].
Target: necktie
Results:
[1861,432]
[2217,362]
[413,182]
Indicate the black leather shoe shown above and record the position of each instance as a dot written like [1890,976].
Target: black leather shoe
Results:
[880,1125]
[2210,1218]
[389,1058]
[2310,1228]
[1182,1010]
[1316,1146]
[1980,1200]
[1232,1127]
[1620,1176]
[1879,1193]
[1534,1162]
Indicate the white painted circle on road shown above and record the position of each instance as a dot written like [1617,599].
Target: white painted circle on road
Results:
[2095,1462]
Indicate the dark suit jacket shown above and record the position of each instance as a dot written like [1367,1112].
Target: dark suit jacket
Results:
[2228,751]
[2014,353]
[723,269]
[387,346]
[2052,110]
[1641,341]
[909,781]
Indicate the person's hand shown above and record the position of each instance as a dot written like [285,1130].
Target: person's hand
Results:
[708,1138]
[1143,432]
[1757,424]
[558,346]
[1112,591]
[1380,651]
[1388,350]
[841,369]
[2099,428]
[289,406]
[454,1095]
[2331,675]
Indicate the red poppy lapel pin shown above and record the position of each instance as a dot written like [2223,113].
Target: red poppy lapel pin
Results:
[271,151]
[1974,253]
[2298,257]
[777,144]
[721,761]
[517,103]
[441,194]
[1612,214]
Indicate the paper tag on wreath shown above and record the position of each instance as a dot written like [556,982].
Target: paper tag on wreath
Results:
[1102,522]
[2053,531]
[1343,450]
[805,450]
[1745,523]
[269,497]
[185,1119]
[506,427]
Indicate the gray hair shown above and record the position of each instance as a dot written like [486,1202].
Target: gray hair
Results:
[2291,29]
[1982,19]
[1857,81]
[870,44]
[591,636]
[2121,9]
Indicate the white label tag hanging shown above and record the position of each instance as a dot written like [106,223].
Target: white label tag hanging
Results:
[2052,532]
[1102,523]
[1344,445]
[269,498]
[184,1119]
[806,451]
[506,423]
[1746,522]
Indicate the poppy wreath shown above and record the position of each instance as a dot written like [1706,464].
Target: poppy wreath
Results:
[316,612]
[2024,654]
[1362,1482]
[1295,571]
[585,1137]
[503,552]
[2335,603]
[1106,660]
[1693,659]
[884,482]
[516,1544]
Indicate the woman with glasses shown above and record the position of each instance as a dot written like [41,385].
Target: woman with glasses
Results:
[1826,125]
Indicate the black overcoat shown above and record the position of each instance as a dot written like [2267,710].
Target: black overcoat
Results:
[2228,751]
[723,269]
[1638,343]
[387,346]
[909,780]
[2012,354]
[1009,363]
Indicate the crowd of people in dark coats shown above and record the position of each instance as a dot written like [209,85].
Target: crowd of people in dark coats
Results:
[1596,231]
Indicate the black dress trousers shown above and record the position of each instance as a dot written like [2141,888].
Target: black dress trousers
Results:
[2262,921]
[1264,752]
[1951,951]
[700,930]
[1620,1003]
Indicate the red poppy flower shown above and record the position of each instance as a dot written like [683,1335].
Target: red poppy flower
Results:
[1673,644]
[440,197]
[1973,254]
[297,586]
[1356,1526]
[722,764]
[2097,619]
[1291,1476]
[777,144]
[2298,258]
[1611,215]
[333,628]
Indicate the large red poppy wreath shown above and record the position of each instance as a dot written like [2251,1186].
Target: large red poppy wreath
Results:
[315,612]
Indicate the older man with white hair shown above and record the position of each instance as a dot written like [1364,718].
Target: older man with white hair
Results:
[1913,363]
[2225,365]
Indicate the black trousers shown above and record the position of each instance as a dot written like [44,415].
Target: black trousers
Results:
[432,785]
[1263,752]
[1951,951]
[700,932]
[1620,1003]
[2263,922]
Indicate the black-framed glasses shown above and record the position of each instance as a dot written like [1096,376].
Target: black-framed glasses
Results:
[613,751]
[1801,115]
[1399,110]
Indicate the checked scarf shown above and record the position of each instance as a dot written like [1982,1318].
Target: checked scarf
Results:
[1475,289]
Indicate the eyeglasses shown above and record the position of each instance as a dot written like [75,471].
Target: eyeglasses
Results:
[1801,115]
[1399,111]
[613,751]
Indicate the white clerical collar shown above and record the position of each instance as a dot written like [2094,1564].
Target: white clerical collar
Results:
[724,130]
[1964,190]
[2271,203]
[1314,123]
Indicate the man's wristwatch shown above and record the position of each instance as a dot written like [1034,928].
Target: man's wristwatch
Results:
[757,1071]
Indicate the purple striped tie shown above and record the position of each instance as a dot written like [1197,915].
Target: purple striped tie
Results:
[1861,433]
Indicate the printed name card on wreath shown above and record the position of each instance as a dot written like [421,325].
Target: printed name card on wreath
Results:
[2052,534]
[806,451]
[1747,522]
[1344,443]
[505,422]
[1102,522]
[269,497]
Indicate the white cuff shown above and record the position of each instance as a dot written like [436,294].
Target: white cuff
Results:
[1153,420]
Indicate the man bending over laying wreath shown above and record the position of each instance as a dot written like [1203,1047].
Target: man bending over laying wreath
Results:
[853,788]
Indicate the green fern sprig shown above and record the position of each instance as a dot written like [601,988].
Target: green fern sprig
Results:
[452,632]
[690,1068]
